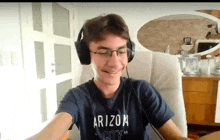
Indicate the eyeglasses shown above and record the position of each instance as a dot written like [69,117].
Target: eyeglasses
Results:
[105,52]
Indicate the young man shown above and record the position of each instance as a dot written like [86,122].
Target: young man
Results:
[110,106]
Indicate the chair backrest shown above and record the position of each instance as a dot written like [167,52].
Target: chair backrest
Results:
[163,72]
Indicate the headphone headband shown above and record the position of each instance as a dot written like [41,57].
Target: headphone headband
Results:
[80,34]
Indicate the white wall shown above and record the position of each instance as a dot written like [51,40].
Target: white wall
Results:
[11,71]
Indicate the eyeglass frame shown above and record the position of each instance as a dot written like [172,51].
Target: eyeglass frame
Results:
[109,54]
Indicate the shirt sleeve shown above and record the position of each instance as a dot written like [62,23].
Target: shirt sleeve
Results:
[156,109]
[69,105]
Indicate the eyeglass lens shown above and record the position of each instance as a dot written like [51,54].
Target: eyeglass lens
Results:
[108,52]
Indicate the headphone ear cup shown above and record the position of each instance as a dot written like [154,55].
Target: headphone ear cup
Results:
[83,52]
[131,46]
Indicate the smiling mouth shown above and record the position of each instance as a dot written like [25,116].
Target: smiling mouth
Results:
[115,72]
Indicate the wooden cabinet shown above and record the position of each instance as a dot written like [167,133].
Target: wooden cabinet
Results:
[200,95]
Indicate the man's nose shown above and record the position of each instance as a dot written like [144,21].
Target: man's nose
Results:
[114,59]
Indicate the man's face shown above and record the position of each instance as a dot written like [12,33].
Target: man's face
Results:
[109,68]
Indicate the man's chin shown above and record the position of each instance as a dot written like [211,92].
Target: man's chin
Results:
[110,81]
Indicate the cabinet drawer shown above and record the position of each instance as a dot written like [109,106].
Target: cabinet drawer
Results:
[197,85]
[199,97]
[200,113]
[200,94]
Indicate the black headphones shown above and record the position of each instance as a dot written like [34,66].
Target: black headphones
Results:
[84,52]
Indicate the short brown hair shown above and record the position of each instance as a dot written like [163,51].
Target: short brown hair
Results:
[96,28]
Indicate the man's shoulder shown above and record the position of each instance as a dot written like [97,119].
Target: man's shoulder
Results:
[82,88]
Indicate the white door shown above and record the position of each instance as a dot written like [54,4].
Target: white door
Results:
[48,50]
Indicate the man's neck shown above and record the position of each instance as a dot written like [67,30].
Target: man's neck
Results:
[108,91]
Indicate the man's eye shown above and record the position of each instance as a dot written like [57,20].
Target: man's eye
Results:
[122,51]
[102,51]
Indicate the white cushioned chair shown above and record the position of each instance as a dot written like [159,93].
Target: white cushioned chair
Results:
[163,72]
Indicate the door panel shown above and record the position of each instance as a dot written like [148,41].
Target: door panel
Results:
[61,89]
[37,16]
[60,20]
[62,58]
[47,50]
[39,57]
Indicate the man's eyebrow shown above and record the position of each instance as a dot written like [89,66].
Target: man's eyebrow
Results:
[125,46]
[102,47]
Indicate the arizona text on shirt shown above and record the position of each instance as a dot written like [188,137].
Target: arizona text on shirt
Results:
[110,120]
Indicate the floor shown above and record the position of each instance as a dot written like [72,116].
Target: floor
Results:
[197,131]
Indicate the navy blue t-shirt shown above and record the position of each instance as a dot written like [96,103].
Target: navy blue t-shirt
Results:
[123,117]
